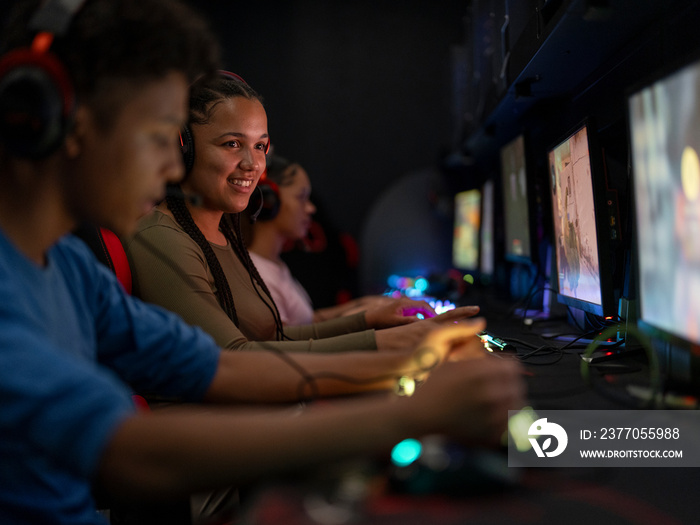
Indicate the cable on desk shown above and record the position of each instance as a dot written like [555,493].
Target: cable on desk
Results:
[532,295]
[654,369]
[598,334]
[535,350]
[543,350]
[548,349]
[570,343]
[520,342]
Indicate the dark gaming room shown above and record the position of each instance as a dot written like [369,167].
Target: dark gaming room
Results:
[537,159]
[430,132]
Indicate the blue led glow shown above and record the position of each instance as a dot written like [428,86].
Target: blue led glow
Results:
[415,288]
[406,452]
[421,284]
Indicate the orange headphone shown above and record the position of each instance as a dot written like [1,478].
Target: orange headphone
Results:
[37,99]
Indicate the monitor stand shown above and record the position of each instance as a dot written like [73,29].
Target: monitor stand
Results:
[603,355]
[607,350]
[551,309]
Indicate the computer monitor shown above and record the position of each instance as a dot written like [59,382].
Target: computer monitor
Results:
[487,255]
[577,186]
[466,233]
[664,126]
[517,206]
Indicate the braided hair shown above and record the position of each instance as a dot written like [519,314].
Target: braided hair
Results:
[203,96]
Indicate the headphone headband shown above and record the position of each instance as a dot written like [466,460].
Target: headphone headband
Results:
[37,99]
[54,16]
[231,76]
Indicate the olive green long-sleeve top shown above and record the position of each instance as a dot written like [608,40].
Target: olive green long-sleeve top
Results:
[169,269]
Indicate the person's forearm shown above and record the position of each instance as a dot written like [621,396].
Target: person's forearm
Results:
[331,312]
[191,449]
[282,377]
[178,451]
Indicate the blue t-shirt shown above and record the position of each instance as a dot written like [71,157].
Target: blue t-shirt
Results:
[73,346]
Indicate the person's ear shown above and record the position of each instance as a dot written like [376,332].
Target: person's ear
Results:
[74,138]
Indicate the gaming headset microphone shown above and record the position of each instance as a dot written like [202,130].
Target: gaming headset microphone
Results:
[254,216]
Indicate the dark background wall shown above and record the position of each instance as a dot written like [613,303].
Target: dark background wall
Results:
[358,91]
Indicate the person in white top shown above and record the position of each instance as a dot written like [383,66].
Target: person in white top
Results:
[283,211]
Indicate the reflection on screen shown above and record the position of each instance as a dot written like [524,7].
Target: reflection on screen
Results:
[515,204]
[574,219]
[665,132]
[465,243]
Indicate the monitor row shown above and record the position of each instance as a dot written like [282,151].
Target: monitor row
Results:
[663,123]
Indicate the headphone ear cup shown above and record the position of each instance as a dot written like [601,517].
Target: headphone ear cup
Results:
[37,103]
[264,205]
[270,201]
[187,148]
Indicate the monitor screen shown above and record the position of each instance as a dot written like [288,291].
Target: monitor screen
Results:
[664,123]
[487,258]
[516,207]
[465,240]
[576,238]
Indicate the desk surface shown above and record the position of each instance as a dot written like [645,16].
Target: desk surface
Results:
[631,495]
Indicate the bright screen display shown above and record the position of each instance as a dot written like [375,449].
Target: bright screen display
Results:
[575,236]
[665,136]
[515,203]
[465,243]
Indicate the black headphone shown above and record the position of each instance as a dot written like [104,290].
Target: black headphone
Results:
[37,99]
[264,204]
[186,138]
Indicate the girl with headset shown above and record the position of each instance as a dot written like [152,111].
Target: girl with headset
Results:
[189,257]
[287,220]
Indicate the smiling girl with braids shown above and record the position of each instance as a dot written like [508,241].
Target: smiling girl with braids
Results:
[188,257]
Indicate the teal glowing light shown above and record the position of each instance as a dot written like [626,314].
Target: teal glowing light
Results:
[406,452]
[421,284]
